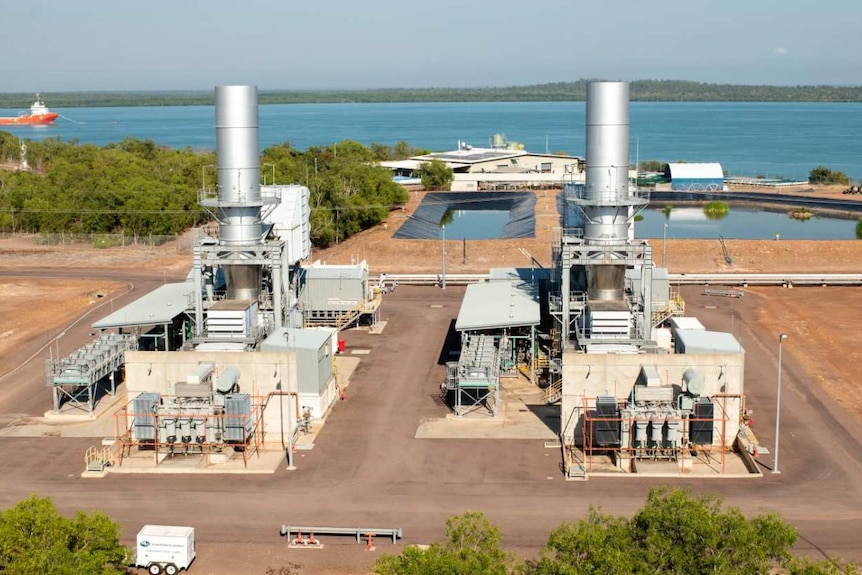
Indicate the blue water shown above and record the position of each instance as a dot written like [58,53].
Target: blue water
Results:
[477,224]
[743,223]
[748,139]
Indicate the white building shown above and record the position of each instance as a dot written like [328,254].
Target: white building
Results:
[498,167]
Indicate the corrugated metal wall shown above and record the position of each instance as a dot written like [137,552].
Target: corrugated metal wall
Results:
[333,294]
[314,368]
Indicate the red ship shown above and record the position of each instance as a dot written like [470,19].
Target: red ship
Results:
[39,114]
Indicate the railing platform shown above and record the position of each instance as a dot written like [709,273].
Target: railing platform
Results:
[358,532]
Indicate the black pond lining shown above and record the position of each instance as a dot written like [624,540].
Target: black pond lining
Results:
[424,223]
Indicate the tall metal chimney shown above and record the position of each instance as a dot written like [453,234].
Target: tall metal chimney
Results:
[607,198]
[607,173]
[239,199]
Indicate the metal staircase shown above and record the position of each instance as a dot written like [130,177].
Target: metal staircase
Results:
[675,306]
[554,391]
[97,459]
[351,316]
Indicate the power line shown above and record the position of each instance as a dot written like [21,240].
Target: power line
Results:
[342,208]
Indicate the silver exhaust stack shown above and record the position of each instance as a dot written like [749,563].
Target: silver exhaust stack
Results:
[607,198]
[239,199]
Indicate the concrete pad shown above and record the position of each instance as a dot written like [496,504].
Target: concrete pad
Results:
[524,415]
[264,461]
[94,474]
[377,328]
[702,467]
[58,426]
[345,365]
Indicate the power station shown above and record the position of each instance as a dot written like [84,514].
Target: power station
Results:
[243,351]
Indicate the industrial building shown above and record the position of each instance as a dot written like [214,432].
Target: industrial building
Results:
[634,385]
[243,351]
[695,176]
[503,165]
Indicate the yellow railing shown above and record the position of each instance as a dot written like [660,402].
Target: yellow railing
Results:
[97,459]
[675,306]
[554,391]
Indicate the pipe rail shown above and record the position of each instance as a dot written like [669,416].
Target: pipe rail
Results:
[358,532]
[739,279]
[743,279]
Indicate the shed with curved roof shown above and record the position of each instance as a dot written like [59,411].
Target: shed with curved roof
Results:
[705,176]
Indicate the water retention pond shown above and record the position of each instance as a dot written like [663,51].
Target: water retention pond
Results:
[505,215]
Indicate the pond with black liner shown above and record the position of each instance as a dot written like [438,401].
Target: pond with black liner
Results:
[472,216]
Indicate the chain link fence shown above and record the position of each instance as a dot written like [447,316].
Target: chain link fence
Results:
[183,243]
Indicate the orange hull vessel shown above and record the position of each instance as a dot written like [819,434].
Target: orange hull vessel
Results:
[39,114]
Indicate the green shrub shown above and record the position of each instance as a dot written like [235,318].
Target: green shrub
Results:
[716,210]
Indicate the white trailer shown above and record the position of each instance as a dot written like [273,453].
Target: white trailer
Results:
[165,548]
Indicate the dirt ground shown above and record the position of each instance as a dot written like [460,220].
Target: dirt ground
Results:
[384,254]
[384,475]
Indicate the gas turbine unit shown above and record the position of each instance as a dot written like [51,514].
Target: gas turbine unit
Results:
[622,392]
[242,276]
[597,248]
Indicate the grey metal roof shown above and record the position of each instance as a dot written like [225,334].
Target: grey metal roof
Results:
[160,306]
[474,155]
[312,339]
[498,304]
[683,322]
[515,274]
[696,171]
[701,341]
[334,272]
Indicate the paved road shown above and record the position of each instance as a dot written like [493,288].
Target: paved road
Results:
[22,382]
[368,470]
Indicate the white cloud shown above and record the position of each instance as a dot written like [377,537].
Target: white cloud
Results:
[780,51]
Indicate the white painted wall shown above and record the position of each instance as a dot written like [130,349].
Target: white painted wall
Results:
[260,374]
[591,375]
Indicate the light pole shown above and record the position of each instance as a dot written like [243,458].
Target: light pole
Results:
[781,338]
[664,248]
[290,466]
[442,227]
[443,279]
[57,339]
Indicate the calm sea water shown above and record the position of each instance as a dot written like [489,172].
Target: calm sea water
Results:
[743,223]
[748,139]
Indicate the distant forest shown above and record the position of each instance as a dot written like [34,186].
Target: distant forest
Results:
[641,91]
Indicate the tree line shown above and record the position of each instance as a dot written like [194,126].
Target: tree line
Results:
[674,532]
[138,188]
[641,90]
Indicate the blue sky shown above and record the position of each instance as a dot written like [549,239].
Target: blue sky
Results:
[65,45]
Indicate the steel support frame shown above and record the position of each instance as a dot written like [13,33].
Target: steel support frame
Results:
[271,254]
[84,370]
[573,253]
[631,452]
[125,416]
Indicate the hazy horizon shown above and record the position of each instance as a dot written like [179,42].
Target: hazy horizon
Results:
[209,89]
[193,45]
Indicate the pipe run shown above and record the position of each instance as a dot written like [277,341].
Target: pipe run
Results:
[290,433]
